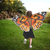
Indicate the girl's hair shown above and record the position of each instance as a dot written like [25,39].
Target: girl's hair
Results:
[29,13]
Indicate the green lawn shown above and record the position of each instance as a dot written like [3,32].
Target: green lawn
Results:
[11,37]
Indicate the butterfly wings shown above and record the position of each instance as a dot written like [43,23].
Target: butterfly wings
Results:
[22,22]
[37,20]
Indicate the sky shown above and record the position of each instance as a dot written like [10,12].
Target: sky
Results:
[36,5]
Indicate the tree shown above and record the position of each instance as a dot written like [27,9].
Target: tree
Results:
[19,7]
[2,5]
[13,5]
[49,9]
[47,18]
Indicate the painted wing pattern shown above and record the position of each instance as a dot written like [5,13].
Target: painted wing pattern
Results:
[22,22]
[37,20]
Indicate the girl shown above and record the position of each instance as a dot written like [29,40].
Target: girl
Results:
[29,34]
[39,17]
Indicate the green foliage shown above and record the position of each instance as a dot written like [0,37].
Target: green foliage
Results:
[48,14]
[2,6]
[18,6]
[11,37]
[47,18]
[12,6]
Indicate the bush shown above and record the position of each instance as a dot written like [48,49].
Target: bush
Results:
[47,18]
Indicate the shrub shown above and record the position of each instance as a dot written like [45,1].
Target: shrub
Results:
[47,18]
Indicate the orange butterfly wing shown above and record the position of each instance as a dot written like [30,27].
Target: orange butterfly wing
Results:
[37,20]
[22,23]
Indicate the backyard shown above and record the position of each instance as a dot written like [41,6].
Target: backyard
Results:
[11,37]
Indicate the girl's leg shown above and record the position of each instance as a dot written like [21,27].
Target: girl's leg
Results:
[30,42]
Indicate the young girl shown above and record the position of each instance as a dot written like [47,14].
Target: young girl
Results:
[39,17]
[29,34]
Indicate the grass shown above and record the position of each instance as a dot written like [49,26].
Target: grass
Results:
[11,37]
